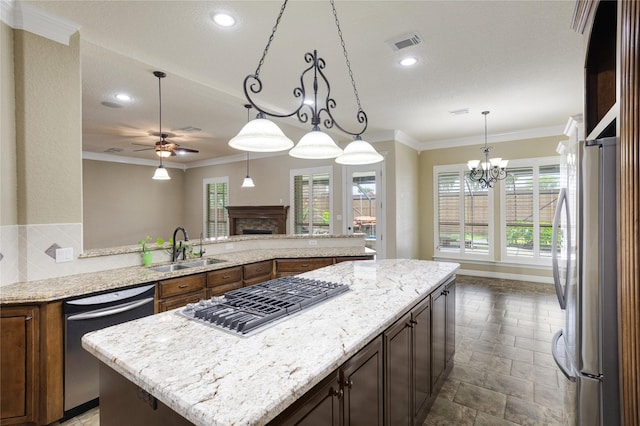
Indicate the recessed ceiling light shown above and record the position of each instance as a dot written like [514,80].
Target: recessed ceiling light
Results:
[409,61]
[224,19]
[123,97]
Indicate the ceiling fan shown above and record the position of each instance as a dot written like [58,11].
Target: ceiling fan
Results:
[163,147]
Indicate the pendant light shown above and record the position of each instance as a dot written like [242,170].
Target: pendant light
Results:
[262,135]
[248,182]
[161,173]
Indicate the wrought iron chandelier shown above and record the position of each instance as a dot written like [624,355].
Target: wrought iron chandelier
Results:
[262,135]
[489,171]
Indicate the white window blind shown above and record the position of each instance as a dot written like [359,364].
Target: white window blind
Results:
[216,201]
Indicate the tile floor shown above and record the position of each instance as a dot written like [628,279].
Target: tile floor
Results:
[503,371]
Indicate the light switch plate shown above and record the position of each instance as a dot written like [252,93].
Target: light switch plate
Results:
[313,242]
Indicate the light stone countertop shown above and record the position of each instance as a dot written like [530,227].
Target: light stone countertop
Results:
[212,377]
[59,288]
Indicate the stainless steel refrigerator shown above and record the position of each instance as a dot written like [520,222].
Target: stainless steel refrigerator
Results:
[584,269]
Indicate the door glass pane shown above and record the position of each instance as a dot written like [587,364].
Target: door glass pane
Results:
[364,206]
[476,217]
[312,213]
[320,204]
[449,215]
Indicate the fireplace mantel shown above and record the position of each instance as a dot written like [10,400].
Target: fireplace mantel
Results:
[272,218]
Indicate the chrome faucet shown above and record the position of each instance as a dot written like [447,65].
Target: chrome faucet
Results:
[175,252]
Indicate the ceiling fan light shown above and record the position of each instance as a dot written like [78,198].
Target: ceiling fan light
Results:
[316,145]
[164,153]
[359,152]
[261,135]
[248,182]
[161,173]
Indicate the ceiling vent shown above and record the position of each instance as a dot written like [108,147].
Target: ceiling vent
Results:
[404,41]
[113,150]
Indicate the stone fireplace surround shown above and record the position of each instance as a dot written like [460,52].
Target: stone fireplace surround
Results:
[257,219]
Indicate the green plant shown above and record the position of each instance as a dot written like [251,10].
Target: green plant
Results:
[159,241]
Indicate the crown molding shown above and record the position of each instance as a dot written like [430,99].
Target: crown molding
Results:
[541,132]
[24,16]
[97,156]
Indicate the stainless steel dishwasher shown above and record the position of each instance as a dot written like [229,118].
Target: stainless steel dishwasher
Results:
[81,377]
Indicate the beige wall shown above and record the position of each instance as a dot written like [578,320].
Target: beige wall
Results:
[407,200]
[8,172]
[48,129]
[122,204]
[530,148]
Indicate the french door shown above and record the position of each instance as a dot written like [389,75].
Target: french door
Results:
[364,205]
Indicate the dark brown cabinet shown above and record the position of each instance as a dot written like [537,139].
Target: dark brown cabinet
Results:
[177,292]
[443,332]
[19,359]
[408,366]
[352,395]
[223,280]
[286,267]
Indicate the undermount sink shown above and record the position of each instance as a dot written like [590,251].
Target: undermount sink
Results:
[186,265]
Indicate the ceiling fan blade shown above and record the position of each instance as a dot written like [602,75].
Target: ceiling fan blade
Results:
[143,149]
[142,144]
[186,150]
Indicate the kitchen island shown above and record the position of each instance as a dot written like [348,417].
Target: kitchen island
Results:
[211,377]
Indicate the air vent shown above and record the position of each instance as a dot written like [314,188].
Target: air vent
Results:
[461,111]
[114,150]
[404,41]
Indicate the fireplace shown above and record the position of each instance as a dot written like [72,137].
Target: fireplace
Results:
[245,220]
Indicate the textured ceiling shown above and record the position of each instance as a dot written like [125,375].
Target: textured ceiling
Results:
[518,59]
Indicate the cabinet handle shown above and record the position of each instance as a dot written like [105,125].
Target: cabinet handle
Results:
[337,393]
[226,277]
[28,318]
[348,383]
[409,324]
[305,265]
[183,286]
[414,322]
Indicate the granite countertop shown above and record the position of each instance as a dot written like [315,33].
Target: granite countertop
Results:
[59,288]
[212,377]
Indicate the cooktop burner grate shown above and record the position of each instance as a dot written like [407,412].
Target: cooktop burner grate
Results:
[246,309]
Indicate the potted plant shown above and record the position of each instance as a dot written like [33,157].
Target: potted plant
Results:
[147,256]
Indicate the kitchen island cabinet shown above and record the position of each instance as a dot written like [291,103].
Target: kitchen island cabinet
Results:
[211,377]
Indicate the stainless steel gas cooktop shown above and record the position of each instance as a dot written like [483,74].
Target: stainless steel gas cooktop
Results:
[245,310]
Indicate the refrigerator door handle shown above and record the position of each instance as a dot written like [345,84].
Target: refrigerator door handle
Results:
[562,202]
[556,356]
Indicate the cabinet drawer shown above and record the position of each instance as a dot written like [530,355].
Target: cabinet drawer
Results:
[224,277]
[219,290]
[180,301]
[182,285]
[258,269]
[302,265]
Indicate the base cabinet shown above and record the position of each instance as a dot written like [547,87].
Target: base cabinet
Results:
[19,359]
[352,395]
[407,346]
[443,313]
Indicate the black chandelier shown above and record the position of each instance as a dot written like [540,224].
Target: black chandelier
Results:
[489,171]
[262,135]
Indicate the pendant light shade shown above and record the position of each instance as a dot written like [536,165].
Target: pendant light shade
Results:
[359,152]
[316,145]
[261,135]
[161,173]
[248,182]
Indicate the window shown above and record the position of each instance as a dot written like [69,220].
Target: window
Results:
[312,201]
[529,198]
[463,211]
[216,199]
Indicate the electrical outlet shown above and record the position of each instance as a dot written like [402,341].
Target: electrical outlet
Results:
[229,246]
[64,254]
[313,242]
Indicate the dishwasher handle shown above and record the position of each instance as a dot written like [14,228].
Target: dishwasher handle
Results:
[111,311]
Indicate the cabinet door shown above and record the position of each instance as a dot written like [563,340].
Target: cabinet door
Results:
[397,346]
[451,322]
[362,384]
[318,407]
[421,320]
[438,333]
[18,365]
